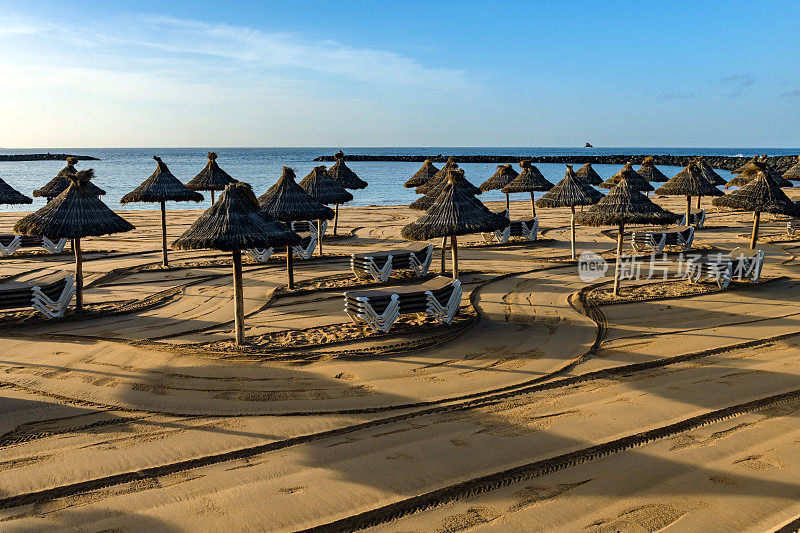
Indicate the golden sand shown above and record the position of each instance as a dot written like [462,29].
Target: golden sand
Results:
[547,405]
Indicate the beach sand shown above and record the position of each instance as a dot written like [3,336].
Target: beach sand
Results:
[544,406]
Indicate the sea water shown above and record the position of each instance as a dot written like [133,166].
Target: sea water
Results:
[120,170]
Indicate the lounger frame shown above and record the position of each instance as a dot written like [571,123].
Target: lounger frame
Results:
[51,300]
[657,241]
[364,266]
[303,250]
[19,241]
[442,304]
[527,229]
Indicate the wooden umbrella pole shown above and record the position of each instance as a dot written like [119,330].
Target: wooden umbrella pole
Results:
[76,245]
[454,245]
[508,205]
[164,233]
[572,225]
[212,196]
[336,220]
[319,235]
[688,210]
[698,202]
[238,295]
[619,253]
[754,236]
[533,206]
[444,249]
[289,266]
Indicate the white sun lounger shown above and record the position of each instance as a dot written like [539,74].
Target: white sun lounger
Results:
[679,239]
[380,308]
[49,296]
[9,244]
[380,265]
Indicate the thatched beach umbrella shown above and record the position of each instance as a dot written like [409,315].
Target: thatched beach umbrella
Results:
[322,188]
[634,179]
[162,187]
[529,180]
[61,182]
[10,196]
[439,177]
[689,182]
[650,172]
[624,205]
[211,178]
[794,172]
[74,214]
[232,224]
[569,192]
[455,212]
[760,194]
[288,202]
[750,170]
[457,174]
[342,174]
[742,168]
[709,173]
[505,174]
[589,175]
[422,176]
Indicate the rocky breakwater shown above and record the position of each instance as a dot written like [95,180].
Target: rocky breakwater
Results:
[44,157]
[781,163]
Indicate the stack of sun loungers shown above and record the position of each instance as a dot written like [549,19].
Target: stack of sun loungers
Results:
[304,250]
[49,296]
[380,265]
[309,226]
[697,218]
[741,263]
[380,308]
[793,226]
[527,229]
[656,241]
[9,244]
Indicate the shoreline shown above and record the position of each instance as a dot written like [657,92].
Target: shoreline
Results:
[781,162]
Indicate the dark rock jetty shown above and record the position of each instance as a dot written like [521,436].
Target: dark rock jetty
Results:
[781,163]
[45,157]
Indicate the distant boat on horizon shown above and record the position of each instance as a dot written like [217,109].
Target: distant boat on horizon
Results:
[587,145]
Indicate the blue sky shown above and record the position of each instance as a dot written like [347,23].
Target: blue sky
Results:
[179,73]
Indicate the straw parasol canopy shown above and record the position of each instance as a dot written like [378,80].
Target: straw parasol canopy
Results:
[287,201]
[751,169]
[505,174]
[10,196]
[529,180]
[61,182]
[760,194]
[342,174]
[689,182]
[634,179]
[162,187]
[455,212]
[75,213]
[437,178]
[624,205]
[740,169]
[421,176]
[569,192]
[794,172]
[709,173]
[589,175]
[650,172]
[211,178]
[325,190]
[424,202]
[235,223]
